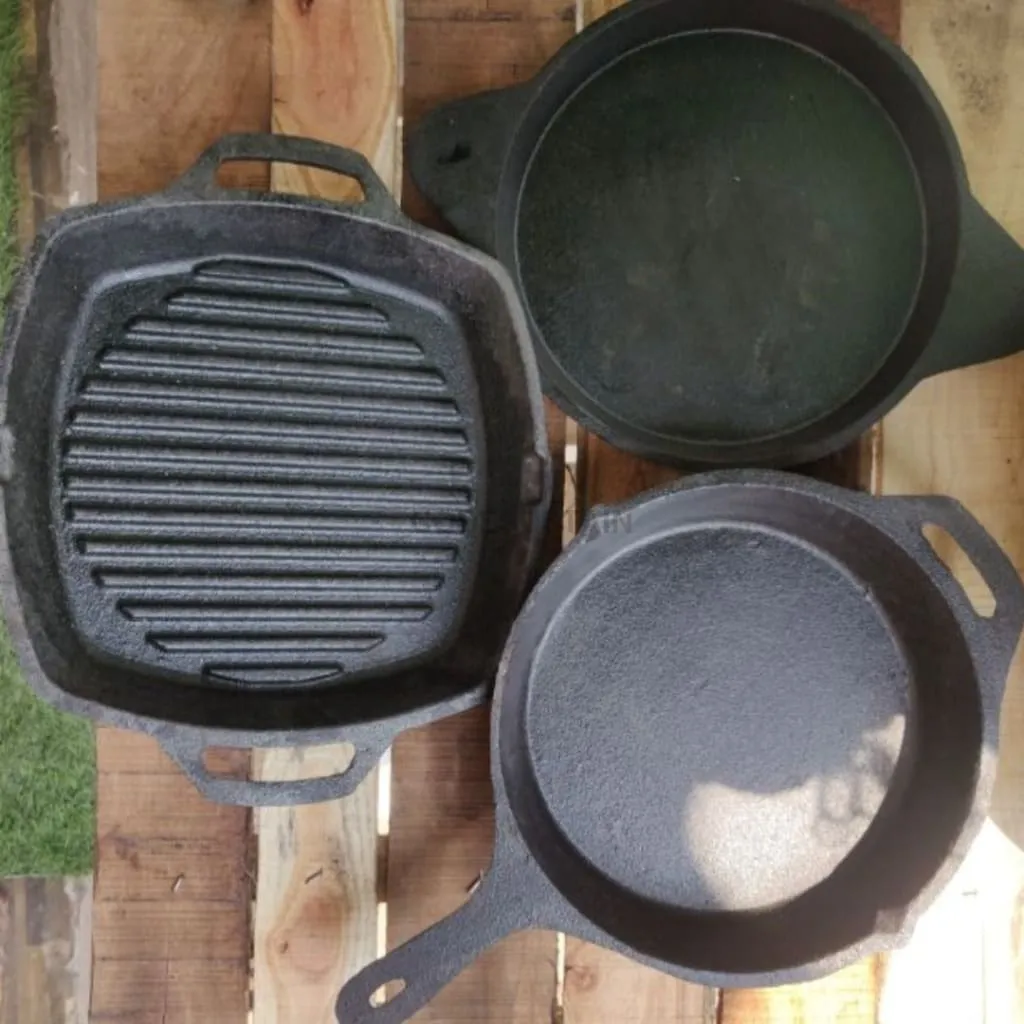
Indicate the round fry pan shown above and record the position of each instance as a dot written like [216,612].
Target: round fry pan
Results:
[250,495]
[744,731]
[742,230]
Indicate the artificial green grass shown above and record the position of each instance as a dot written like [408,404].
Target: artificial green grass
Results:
[12,109]
[47,760]
[47,782]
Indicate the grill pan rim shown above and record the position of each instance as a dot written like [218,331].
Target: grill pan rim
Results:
[406,701]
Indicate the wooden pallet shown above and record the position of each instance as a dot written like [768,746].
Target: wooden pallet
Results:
[201,911]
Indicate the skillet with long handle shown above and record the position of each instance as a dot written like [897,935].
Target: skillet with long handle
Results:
[744,731]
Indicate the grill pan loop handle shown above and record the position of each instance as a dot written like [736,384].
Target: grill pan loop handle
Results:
[994,639]
[186,748]
[984,313]
[429,961]
[201,179]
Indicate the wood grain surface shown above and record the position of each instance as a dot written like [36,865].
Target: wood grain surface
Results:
[45,932]
[171,935]
[335,77]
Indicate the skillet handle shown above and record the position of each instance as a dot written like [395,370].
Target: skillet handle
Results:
[984,314]
[186,748]
[457,154]
[201,179]
[997,636]
[429,961]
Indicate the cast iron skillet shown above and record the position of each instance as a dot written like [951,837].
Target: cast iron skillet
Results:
[744,731]
[742,230]
[250,496]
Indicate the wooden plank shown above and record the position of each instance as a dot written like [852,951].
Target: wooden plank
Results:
[173,77]
[190,868]
[167,992]
[336,76]
[849,997]
[59,144]
[172,871]
[45,950]
[962,434]
[442,819]
[180,811]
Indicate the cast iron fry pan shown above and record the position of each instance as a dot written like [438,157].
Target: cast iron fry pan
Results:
[742,230]
[250,495]
[744,731]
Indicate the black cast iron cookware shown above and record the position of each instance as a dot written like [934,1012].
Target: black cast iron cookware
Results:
[744,731]
[250,494]
[742,230]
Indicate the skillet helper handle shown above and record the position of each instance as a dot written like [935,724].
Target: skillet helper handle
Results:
[984,314]
[186,749]
[999,634]
[457,155]
[201,179]
[428,962]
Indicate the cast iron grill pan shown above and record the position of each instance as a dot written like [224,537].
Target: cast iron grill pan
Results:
[250,495]
[268,476]
[744,732]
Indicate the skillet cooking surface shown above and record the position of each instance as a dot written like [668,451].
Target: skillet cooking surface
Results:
[721,237]
[749,689]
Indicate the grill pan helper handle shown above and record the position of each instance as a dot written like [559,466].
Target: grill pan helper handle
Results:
[201,179]
[186,748]
[506,901]
[996,635]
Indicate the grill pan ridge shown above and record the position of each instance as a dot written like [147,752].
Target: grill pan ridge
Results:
[249,495]
[262,482]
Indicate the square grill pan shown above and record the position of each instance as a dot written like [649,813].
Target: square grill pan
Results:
[250,495]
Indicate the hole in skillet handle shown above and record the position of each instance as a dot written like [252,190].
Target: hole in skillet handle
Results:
[962,569]
[388,991]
